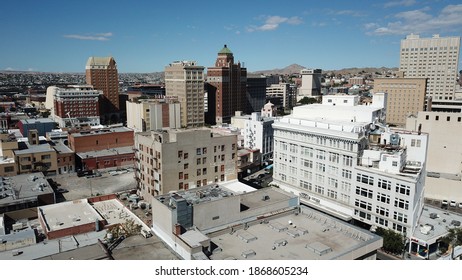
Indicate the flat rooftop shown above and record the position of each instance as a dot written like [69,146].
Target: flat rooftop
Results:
[105,130]
[107,152]
[23,187]
[309,235]
[69,214]
[434,223]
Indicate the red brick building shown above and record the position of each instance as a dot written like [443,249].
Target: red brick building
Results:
[101,139]
[226,88]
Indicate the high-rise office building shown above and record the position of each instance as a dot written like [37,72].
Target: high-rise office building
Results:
[185,80]
[435,58]
[405,96]
[311,83]
[226,88]
[101,73]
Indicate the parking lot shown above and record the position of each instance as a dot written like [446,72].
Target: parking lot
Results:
[73,187]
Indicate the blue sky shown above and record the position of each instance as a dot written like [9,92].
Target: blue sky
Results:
[145,36]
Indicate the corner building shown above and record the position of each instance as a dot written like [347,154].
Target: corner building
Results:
[340,159]
[181,159]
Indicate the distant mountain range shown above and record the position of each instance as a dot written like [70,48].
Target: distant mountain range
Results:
[295,69]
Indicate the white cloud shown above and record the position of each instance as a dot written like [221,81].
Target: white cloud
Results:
[92,37]
[402,3]
[273,22]
[449,19]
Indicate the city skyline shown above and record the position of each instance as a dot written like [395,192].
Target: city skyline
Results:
[146,36]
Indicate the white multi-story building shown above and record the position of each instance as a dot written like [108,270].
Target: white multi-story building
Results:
[434,58]
[311,83]
[185,80]
[340,159]
[152,114]
[258,131]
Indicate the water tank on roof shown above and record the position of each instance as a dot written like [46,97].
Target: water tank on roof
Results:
[394,139]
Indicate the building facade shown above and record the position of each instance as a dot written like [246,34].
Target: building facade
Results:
[311,83]
[256,94]
[173,159]
[444,149]
[258,134]
[75,106]
[342,160]
[152,114]
[226,88]
[185,80]
[435,58]
[100,139]
[280,95]
[405,96]
[101,73]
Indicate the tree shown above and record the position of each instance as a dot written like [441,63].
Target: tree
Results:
[453,238]
[393,242]
[308,100]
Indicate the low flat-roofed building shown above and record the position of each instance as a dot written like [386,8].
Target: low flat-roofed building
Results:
[433,225]
[25,191]
[107,158]
[262,224]
[69,218]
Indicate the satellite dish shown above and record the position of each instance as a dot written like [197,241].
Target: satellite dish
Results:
[372,127]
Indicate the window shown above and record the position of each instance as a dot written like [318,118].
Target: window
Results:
[305,185]
[333,157]
[198,172]
[348,160]
[400,217]
[8,169]
[332,182]
[204,151]
[306,163]
[346,173]
[332,194]
[385,198]
[186,176]
[319,189]
[222,168]
[186,166]
[362,214]
[204,171]
[384,184]
[401,203]
[186,155]
[204,160]
[180,175]
[381,221]
[403,189]
[321,154]
[364,192]
[321,167]
[363,204]
[198,151]
[365,179]
[382,211]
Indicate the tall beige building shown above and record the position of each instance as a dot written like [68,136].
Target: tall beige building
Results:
[181,159]
[185,79]
[406,96]
[434,58]
[152,114]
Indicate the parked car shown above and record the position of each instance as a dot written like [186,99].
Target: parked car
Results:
[453,203]
[61,190]
[460,204]
[444,203]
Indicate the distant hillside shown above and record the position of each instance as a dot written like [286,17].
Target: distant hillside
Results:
[357,70]
[291,69]
[295,69]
